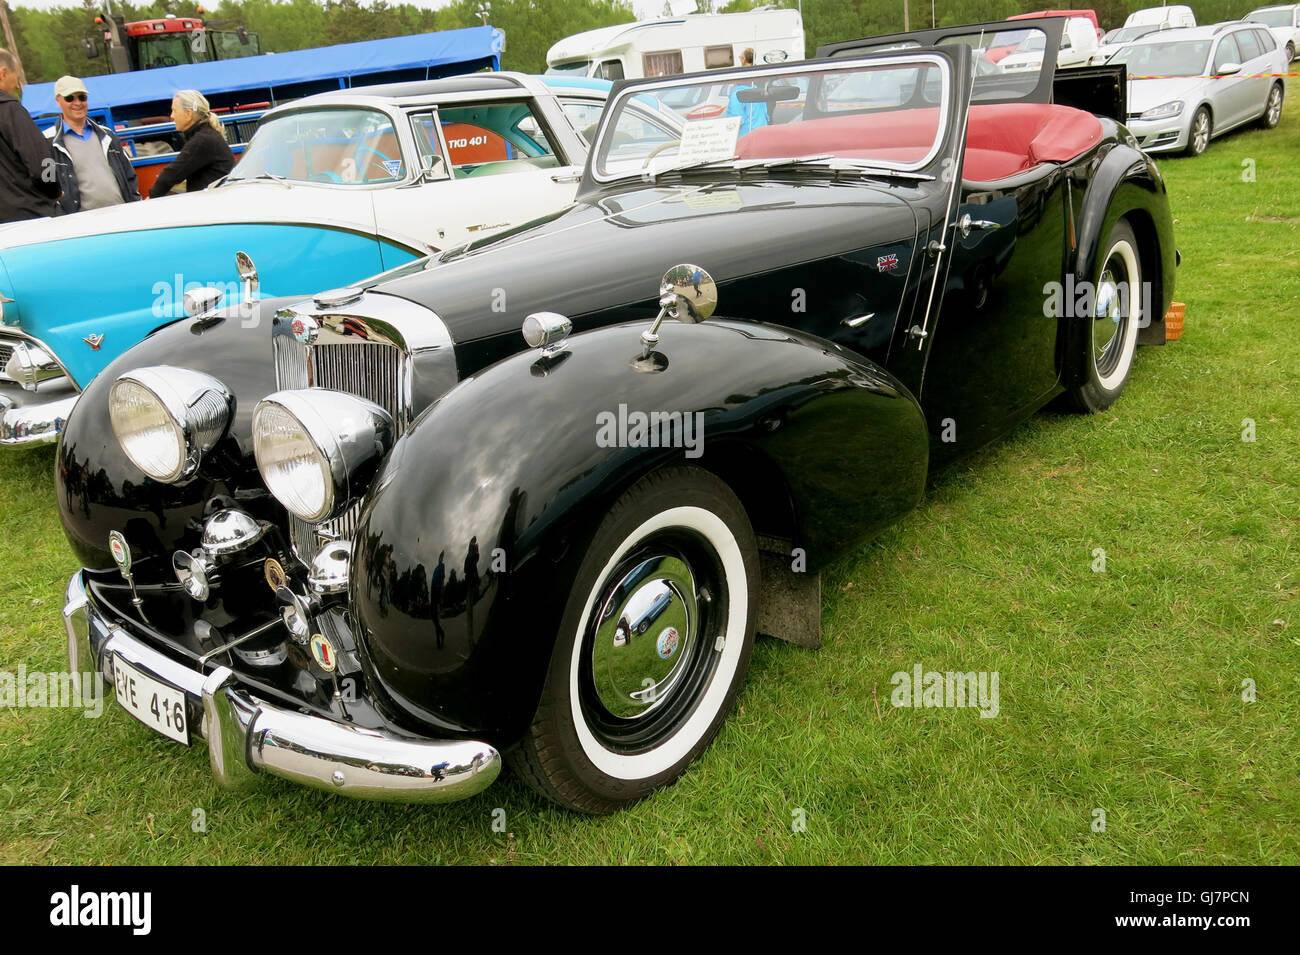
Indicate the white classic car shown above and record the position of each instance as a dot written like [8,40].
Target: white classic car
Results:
[332,188]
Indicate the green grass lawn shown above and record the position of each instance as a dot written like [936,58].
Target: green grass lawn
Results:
[1119,690]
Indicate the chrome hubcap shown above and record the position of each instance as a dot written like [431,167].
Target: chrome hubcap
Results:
[1110,314]
[652,644]
[645,636]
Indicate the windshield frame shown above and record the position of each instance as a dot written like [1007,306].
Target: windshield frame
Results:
[629,89]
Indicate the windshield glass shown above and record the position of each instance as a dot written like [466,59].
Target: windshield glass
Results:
[1128,34]
[349,146]
[578,67]
[883,113]
[1272,18]
[169,49]
[1184,58]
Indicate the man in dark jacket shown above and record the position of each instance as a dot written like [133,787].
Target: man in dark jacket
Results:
[94,170]
[29,183]
[205,157]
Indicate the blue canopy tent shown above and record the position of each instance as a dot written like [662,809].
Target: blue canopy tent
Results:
[277,77]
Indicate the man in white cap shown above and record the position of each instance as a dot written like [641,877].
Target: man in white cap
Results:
[94,169]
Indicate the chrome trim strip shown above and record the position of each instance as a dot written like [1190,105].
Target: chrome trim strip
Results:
[247,737]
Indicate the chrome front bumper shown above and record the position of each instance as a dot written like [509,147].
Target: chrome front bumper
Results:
[247,737]
[28,419]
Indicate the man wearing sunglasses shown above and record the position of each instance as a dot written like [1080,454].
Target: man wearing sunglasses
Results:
[28,185]
[94,169]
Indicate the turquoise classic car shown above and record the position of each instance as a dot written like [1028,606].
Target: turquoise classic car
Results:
[333,188]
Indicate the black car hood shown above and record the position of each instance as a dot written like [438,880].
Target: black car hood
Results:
[611,253]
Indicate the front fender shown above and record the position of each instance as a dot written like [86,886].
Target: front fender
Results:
[469,542]
[100,490]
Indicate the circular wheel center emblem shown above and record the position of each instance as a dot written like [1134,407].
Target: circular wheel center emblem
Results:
[667,643]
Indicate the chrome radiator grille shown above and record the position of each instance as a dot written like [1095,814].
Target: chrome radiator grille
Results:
[370,370]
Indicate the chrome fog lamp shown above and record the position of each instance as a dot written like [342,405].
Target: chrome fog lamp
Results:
[196,573]
[314,446]
[229,531]
[167,418]
[329,568]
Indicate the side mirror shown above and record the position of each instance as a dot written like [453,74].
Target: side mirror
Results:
[90,47]
[693,293]
[686,293]
[247,273]
[1227,69]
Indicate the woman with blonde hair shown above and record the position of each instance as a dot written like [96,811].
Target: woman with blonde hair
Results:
[205,156]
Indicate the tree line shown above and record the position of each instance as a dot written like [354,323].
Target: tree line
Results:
[49,41]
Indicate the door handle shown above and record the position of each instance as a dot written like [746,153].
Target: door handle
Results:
[966,224]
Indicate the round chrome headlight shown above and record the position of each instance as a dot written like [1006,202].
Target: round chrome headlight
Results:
[314,446]
[167,418]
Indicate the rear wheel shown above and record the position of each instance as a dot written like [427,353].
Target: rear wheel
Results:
[620,718]
[1107,339]
[1272,108]
[1198,140]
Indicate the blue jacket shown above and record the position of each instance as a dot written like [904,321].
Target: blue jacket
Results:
[117,158]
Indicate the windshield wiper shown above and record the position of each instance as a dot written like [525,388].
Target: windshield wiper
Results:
[262,175]
[796,161]
[839,165]
[702,164]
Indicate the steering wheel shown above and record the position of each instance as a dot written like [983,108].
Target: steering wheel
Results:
[166,61]
[658,149]
[377,158]
[325,176]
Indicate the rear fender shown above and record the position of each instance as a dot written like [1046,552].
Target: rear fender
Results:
[1128,184]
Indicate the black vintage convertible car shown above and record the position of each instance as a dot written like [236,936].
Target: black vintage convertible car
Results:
[377,541]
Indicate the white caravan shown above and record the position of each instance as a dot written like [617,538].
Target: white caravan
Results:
[675,45]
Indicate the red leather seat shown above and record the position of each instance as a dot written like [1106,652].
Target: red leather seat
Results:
[1002,139]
